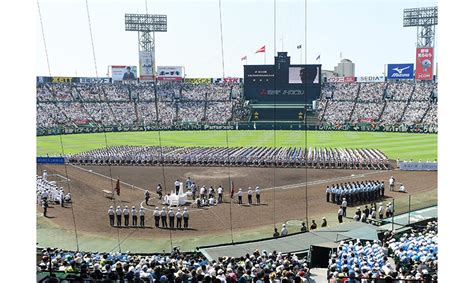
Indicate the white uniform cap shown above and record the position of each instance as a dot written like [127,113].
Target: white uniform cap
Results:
[111,206]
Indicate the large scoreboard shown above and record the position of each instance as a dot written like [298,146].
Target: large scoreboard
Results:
[282,82]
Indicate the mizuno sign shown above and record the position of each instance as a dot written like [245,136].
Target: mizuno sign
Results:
[400,71]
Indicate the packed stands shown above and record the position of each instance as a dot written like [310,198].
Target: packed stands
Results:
[115,104]
[412,256]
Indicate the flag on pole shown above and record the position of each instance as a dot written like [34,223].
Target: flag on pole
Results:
[319,56]
[298,46]
[117,187]
[243,58]
[232,189]
[261,49]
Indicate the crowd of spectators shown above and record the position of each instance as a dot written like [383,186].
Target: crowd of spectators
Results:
[414,112]
[202,92]
[100,113]
[366,112]
[218,112]
[371,91]
[340,91]
[117,92]
[260,266]
[423,90]
[146,113]
[431,117]
[191,111]
[124,113]
[49,116]
[89,92]
[393,112]
[43,93]
[337,111]
[121,104]
[412,256]
[399,90]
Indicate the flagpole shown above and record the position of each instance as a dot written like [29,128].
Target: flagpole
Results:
[264,57]
[301,55]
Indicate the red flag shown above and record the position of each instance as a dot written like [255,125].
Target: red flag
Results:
[117,187]
[262,49]
[243,58]
[231,189]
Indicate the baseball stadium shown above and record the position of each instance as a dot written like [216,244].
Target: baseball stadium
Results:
[288,172]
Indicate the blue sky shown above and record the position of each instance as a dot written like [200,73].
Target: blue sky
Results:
[370,33]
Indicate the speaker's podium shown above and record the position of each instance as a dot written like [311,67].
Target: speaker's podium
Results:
[178,199]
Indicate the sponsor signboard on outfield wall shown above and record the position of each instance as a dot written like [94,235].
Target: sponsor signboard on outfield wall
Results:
[198,80]
[399,71]
[341,80]
[226,80]
[424,63]
[370,79]
[124,73]
[42,80]
[418,166]
[169,73]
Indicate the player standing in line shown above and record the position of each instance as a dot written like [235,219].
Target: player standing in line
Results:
[171,217]
[179,217]
[111,214]
[257,194]
[156,215]
[249,194]
[126,215]
[134,216]
[118,213]
[186,218]
[164,223]
[239,195]
[142,217]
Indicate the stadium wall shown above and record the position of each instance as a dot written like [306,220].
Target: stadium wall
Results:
[256,125]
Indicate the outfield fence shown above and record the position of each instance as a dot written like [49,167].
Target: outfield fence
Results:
[255,125]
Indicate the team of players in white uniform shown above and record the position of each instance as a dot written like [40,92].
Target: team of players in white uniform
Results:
[342,158]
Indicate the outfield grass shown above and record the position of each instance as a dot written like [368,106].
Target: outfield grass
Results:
[396,145]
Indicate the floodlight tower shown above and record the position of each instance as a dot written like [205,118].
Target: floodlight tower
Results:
[146,25]
[424,19]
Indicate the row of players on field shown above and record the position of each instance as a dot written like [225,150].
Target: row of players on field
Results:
[167,217]
[359,192]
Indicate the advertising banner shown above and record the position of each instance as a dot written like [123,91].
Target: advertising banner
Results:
[50,160]
[424,63]
[371,79]
[341,80]
[42,80]
[124,73]
[147,65]
[419,166]
[169,73]
[198,80]
[399,71]
[226,80]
